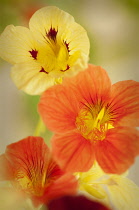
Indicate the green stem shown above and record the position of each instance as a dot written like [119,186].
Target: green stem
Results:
[40,128]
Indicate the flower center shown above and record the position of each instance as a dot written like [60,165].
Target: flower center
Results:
[56,52]
[32,183]
[94,123]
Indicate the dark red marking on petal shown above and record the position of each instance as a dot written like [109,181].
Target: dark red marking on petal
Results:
[67,46]
[43,70]
[66,68]
[52,34]
[34,54]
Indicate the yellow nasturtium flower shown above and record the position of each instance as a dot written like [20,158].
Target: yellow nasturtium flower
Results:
[116,191]
[52,47]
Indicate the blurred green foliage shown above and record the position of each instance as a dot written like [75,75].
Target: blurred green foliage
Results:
[131,5]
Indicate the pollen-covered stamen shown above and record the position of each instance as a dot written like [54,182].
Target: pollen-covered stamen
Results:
[52,34]
[93,124]
[43,70]
[33,54]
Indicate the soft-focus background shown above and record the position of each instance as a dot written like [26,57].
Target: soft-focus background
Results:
[113,30]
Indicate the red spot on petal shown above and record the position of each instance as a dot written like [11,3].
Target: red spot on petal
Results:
[34,54]
[66,68]
[67,46]
[43,70]
[52,34]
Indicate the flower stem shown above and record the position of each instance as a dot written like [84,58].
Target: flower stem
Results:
[40,128]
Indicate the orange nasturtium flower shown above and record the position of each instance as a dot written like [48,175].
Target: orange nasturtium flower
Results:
[92,120]
[31,169]
[54,46]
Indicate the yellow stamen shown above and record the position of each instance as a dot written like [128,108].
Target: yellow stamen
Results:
[58,80]
[94,123]
[92,190]
[100,116]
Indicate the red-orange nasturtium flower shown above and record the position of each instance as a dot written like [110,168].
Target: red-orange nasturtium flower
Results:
[92,120]
[31,169]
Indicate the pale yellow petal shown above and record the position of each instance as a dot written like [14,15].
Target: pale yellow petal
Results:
[78,39]
[94,174]
[123,193]
[90,182]
[95,190]
[49,17]
[116,191]
[15,44]
[27,77]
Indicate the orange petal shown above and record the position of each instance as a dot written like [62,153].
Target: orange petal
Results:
[93,85]
[73,152]
[29,159]
[124,103]
[59,107]
[116,153]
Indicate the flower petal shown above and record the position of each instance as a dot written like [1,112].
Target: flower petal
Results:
[116,153]
[72,152]
[65,185]
[124,103]
[123,193]
[28,77]
[27,153]
[58,108]
[15,44]
[74,203]
[47,18]
[93,85]
[67,29]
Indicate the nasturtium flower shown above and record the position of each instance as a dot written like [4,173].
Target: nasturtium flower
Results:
[74,203]
[30,168]
[116,191]
[52,47]
[93,120]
